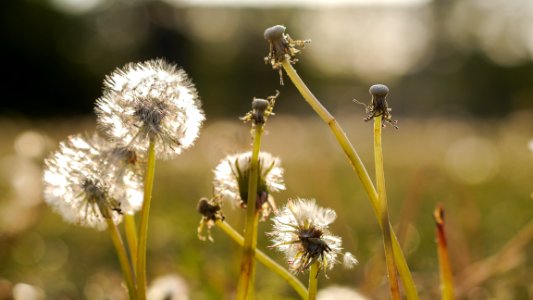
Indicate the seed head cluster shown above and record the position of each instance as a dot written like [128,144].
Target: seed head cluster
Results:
[150,100]
[84,183]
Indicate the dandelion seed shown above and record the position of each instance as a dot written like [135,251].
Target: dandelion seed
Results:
[349,261]
[232,178]
[300,231]
[148,100]
[86,182]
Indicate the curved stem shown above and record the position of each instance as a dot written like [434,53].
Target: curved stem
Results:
[247,276]
[145,212]
[382,192]
[122,257]
[313,281]
[359,168]
[266,260]
[131,238]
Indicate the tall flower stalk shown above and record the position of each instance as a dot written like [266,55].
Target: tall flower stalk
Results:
[261,109]
[145,213]
[281,56]
[247,276]
[88,182]
[382,192]
[151,107]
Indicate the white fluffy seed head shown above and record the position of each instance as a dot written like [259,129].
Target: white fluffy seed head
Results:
[87,183]
[300,230]
[232,175]
[152,99]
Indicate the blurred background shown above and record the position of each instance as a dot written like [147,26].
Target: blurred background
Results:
[461,80]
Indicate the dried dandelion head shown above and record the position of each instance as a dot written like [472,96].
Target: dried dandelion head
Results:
[84,183]
[150,100]
[210,209]
[301,231]
[378,106]
[232,177]
[281,47]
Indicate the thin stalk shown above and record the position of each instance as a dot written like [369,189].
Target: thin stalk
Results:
[359,168]
[382,192]
[122,257]
[145,213]
[313,281]
[131,238]
[445,271]
[245,288]
[266,260]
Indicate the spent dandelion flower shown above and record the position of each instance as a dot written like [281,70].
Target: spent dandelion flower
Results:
[210,209]
[232,178]
[300,231]
[281,46]
[150,100]
[84,183]
[378,106]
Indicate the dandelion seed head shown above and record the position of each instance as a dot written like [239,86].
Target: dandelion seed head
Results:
[85,184]
[301,231]
[147,100]
[168,287]
[233,172]
[339,293]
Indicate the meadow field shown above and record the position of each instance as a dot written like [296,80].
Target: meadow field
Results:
[479,170]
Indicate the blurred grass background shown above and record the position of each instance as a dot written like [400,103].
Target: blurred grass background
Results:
[461,79]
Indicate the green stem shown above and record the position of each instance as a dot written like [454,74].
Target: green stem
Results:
[382,192]
[247,276]
[266,260]
[131,238]
[359,168]
[145,212]
[313,281]
[122,257]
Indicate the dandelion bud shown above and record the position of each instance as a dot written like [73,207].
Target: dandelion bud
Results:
[147,101]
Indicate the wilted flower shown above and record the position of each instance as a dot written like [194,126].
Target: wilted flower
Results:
[378,106]
[210,211]
[232,177]
[88,181]
[281,47]
[300,231]
[148,100]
